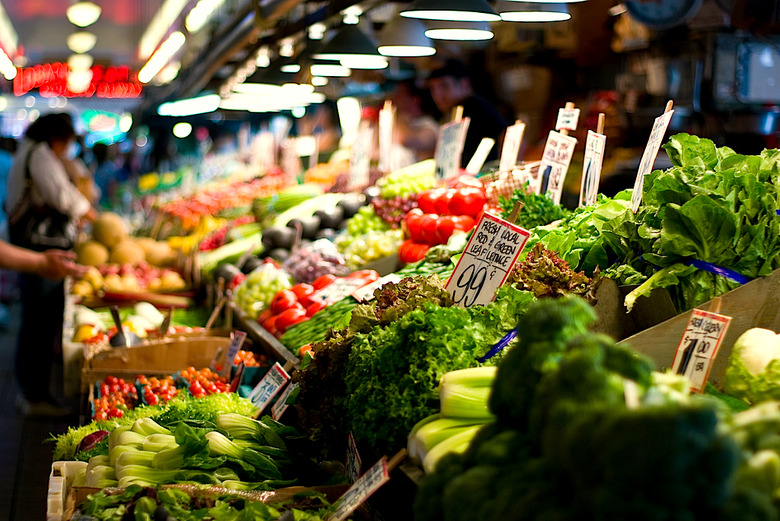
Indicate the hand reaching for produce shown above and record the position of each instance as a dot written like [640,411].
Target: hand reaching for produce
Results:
[58,264]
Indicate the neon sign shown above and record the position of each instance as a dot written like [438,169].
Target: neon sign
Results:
[51,79]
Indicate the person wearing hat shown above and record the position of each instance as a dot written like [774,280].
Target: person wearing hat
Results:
[450,87]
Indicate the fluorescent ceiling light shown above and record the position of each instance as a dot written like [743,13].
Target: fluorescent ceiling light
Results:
[405,37]
[169,72]
[534,12]
[7,68]
[459,31]
[125,122]
[364,62]
[161,56]
[330,70]
[317,31]
[269,103]
[452,10]
[190,106]
[161,23]
[319,81]
[79,62]
[8,37]
[348,42]
[81,42]
[200,14]
[83,13]
[182,129]
[290,68]
[79,81]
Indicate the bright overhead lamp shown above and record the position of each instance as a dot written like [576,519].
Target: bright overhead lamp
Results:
[364,62]
[158,27]
[81,42]
[452,10]
[182,129]
[534,12]
[200,14]
[319,81]
[288,66]
[330,70]
[169,73]
[161,56]
[349,42]
[83,13]
[79,81]
[405,37]
[7,67]
[190,106]
[79,62]
[270,76]
[459,31]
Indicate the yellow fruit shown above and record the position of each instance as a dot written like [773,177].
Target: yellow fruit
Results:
[109,229]
[160,254]
[94,278]
[92,253]
[127,252]
[84,332]
[82,289]
[113,282]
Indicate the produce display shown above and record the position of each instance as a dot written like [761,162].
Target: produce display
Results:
[254,294]
[311,261]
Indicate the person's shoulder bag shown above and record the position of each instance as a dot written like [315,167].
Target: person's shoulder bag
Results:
[39,228]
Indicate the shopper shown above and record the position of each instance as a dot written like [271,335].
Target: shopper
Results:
[415,130]
[451,87]
[39,188]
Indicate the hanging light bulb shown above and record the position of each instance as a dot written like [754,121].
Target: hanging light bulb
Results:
[81,42]
[452,10]
[459,31]
[513,11]
[79,62]
[83,13]
[405,37]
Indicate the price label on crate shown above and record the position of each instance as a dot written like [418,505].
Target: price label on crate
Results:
[361,490]
[567,119]
[485,264]
[360,157]
[236,341]
[278,408]
[511,147]
[591,168]
[699,346]
[449,148]
[337,290]
[354,463]
[268,387]
[366,293]
[648,156]
[556,158]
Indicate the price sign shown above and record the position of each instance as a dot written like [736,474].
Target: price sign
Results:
[361,490]
[449,148]
[360,157]
[567,119]
[699,346]
[591,167]
[337,290]
[353,459]
[236,341]
[484,266]
[268,387]
[648,157]
[511,147]
[557,155]
[278,408]
[366,293]
[386,124]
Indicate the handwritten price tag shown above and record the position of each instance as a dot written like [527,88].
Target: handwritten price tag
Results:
[699,346]
[556,158]
[449,148]
[368,483]
[236,341]
[354,462]
[278,408]
[360,157]
[567,119]
[366,293]
[268,387]
[511,147]
[648,157]
[485,264]
[337,290]
[591,168]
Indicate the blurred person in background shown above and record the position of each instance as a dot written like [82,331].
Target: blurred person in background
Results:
[322,122]
[450,87]
[415,129]
[38,184]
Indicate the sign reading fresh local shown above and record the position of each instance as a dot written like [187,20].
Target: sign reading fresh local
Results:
[485,264]
[51,79]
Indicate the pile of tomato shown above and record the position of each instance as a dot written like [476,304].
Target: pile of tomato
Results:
[250,359]
[155,390]
[115,397]
[204,382]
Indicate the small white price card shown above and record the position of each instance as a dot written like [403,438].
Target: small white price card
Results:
[368,483]
[337,290]
[567,119]
[699,347]
[366,293]
[591,168]
[556,158]
[278,408]
[449,148]
[360,157]
[354,462]
[268,387]
[511,147]
[485,264]
[648,157]
[236,341]
[386,124]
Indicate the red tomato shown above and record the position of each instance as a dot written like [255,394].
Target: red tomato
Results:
[323,281]
[115,413]
[427,200]
[196,389]
[313,308]
[283,301]
[429,228]
[443,203]
[290,318]
[445,226]
[418,252]
[463,222]
[265,315]
[414,224]
[467,201]
[270,324]
[100,416]
[302,290]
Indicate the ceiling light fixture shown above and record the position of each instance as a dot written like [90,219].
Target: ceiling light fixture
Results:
[330,70]
[81,42]
[83,13]
[161,56]
[349,42]
[79,81]
[182,129]
[319,81]
[452,10]
[8,37]
[201,14]
[169,72]
[189,106]
[459,31]
[364,62]
[7,68]
[534,12]
[317,31]
[405,37]
[161,23]
[79,62]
